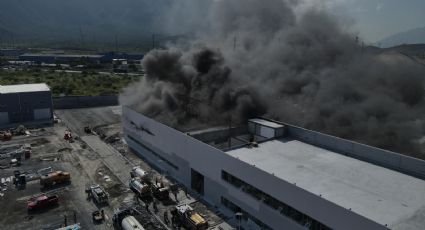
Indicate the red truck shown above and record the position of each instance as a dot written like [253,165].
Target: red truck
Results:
[42,202]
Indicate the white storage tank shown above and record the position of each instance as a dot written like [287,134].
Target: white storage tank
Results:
[138,172]
[130,223]
[266,129]
[138,187]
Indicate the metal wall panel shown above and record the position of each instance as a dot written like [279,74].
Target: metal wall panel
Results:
[4,118]
[266,132]
[40,114]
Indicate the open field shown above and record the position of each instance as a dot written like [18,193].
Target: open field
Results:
[84,84]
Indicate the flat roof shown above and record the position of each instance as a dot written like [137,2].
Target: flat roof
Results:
[377,193]
[23,88]
[266,123]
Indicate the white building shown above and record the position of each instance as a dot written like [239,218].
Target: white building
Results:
[294,179]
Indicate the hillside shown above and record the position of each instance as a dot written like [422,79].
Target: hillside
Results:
[414,36]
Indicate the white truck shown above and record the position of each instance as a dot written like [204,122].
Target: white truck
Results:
[140,173]
[130,223]
[140,188]
[99,195]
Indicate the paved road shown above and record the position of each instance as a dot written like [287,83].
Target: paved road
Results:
[118,164]
[110,157]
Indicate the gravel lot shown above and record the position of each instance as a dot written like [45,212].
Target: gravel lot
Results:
[98,158]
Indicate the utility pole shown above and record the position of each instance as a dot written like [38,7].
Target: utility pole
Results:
[234,43]
[153,41]
[13,40]
[238,216]
[81,36]
[230,130]
[116,43]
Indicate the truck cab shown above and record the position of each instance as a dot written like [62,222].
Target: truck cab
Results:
[42,202]
[55,178]
[99,195]
[190,218]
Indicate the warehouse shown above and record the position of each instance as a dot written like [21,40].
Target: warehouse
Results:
[60,58]
[279,176]
[28,104]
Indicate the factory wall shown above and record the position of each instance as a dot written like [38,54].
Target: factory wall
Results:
[73,102]
[165,147]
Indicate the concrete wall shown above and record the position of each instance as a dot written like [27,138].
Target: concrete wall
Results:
[405,164]
[219,134]
[187,152]
[73,102]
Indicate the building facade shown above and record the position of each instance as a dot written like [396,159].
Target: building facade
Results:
[25,104]
[280,176]
[61,58]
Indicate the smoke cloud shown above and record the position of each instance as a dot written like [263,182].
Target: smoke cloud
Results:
[265,58]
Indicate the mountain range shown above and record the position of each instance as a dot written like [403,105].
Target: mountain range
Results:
[89,22]
[79,20]
[413,36]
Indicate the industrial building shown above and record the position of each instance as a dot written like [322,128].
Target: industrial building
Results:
[110,56]
[29,104]
[54,58]
[278,176]
[11,52]
[60,58]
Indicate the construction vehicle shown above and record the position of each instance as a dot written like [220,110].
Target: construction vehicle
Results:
[160,191]
[5,136]
[130,223]
[140,173]
[19,178]
[189,217]
[42,202]
[54,178]
[141,189]
[87,130]
[68,136]
[15,162]
[99,195]
[98,216]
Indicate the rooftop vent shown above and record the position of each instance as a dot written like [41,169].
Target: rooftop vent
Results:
[266,129]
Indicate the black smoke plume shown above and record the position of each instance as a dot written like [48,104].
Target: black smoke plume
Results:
[265,58]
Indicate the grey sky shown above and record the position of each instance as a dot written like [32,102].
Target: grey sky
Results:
[378,19]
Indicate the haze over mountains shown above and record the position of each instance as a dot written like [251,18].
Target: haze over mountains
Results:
[101,21]
[414,36]
[79,20]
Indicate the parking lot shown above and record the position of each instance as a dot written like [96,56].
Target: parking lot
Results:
[100,157]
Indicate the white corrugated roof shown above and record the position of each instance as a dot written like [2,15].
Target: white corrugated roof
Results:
[24,88]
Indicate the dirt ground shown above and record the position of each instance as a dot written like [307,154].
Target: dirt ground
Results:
[93,158]
[50,150]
